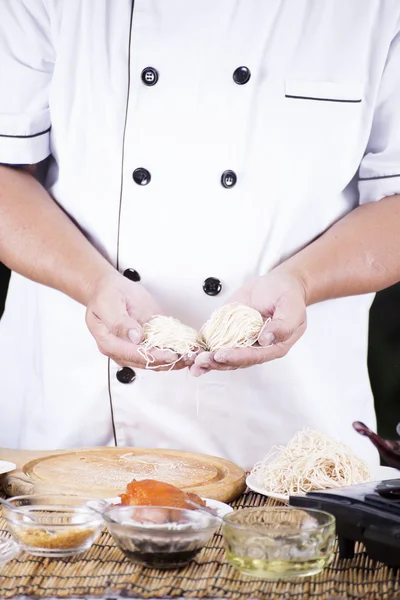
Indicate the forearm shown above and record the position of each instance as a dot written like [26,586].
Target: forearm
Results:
[357,255]
[39,241]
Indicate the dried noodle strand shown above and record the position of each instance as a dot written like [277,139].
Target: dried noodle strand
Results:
[311,461]
[232,326]
[167,333]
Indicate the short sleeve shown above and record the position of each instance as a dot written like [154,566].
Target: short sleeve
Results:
[26,67]
[379,174]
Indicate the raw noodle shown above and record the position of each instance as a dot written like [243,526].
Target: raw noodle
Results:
[167,333]
[311,461]
[232,326]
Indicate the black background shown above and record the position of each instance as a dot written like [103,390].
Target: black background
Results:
[383,360]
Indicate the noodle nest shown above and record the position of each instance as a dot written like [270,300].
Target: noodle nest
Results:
[167,333]
[311,461]
[232,326]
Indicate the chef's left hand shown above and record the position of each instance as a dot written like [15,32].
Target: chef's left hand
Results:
[279,296]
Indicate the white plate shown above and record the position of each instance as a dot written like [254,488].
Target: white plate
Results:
[6,467]
[220,508]
[255,487]
[382,473]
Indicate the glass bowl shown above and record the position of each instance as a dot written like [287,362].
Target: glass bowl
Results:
[277,543]
[160,537]
[8,550]
[54,525]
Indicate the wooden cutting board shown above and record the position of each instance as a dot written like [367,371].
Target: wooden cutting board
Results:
[105,472]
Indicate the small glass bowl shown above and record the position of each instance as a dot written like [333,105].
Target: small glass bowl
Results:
[54,525]
[279,543]
[160,537]
[8,550]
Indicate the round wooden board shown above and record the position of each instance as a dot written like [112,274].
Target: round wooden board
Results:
[105,472]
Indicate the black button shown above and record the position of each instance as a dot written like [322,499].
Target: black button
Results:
[228,179]
[212,286]
[126,375]
[132,275]
[149,76]
[241,75]
[141,176]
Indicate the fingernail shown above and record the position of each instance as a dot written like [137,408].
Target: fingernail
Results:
[196,371]
[221,357]
[134,335]
[204,363]
[266,339]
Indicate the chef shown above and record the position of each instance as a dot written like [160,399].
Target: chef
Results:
[197,152]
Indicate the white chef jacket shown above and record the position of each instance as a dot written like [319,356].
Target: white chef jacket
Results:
[310,127]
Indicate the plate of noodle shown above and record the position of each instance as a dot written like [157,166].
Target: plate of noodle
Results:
[311,461]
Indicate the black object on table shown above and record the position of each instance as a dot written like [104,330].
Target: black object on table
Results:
[367,513]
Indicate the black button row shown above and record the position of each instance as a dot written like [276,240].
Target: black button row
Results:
[149,76]
[229,179]
[212,286]
[126,375]
[132,275]
[142,176]
[241,76]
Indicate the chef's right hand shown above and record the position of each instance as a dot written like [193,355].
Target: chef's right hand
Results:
[116,310]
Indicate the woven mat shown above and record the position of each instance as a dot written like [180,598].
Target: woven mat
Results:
[104,571]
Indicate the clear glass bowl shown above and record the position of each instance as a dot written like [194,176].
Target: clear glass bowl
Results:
[54,525]
[8,550]
[277,543]
[160,537]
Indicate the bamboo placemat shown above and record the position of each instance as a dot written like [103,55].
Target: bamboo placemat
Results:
[104,571]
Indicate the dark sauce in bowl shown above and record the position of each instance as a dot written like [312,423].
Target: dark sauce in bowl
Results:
[162,560]
[159,538]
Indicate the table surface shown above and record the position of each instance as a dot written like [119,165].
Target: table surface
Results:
[15,483]
[104,572]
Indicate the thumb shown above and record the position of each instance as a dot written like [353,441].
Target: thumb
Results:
[122,325]
[127,328]
[288,317]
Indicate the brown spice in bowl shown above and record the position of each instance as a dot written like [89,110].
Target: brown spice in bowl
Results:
[67,539]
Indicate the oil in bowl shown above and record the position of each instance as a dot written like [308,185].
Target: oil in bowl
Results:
[160,537]
[54,525]
[279,543]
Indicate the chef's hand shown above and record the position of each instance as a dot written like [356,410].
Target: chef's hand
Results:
[116,310]
[279,296]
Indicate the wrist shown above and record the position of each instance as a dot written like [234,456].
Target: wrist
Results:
[299,278]
[97,279]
